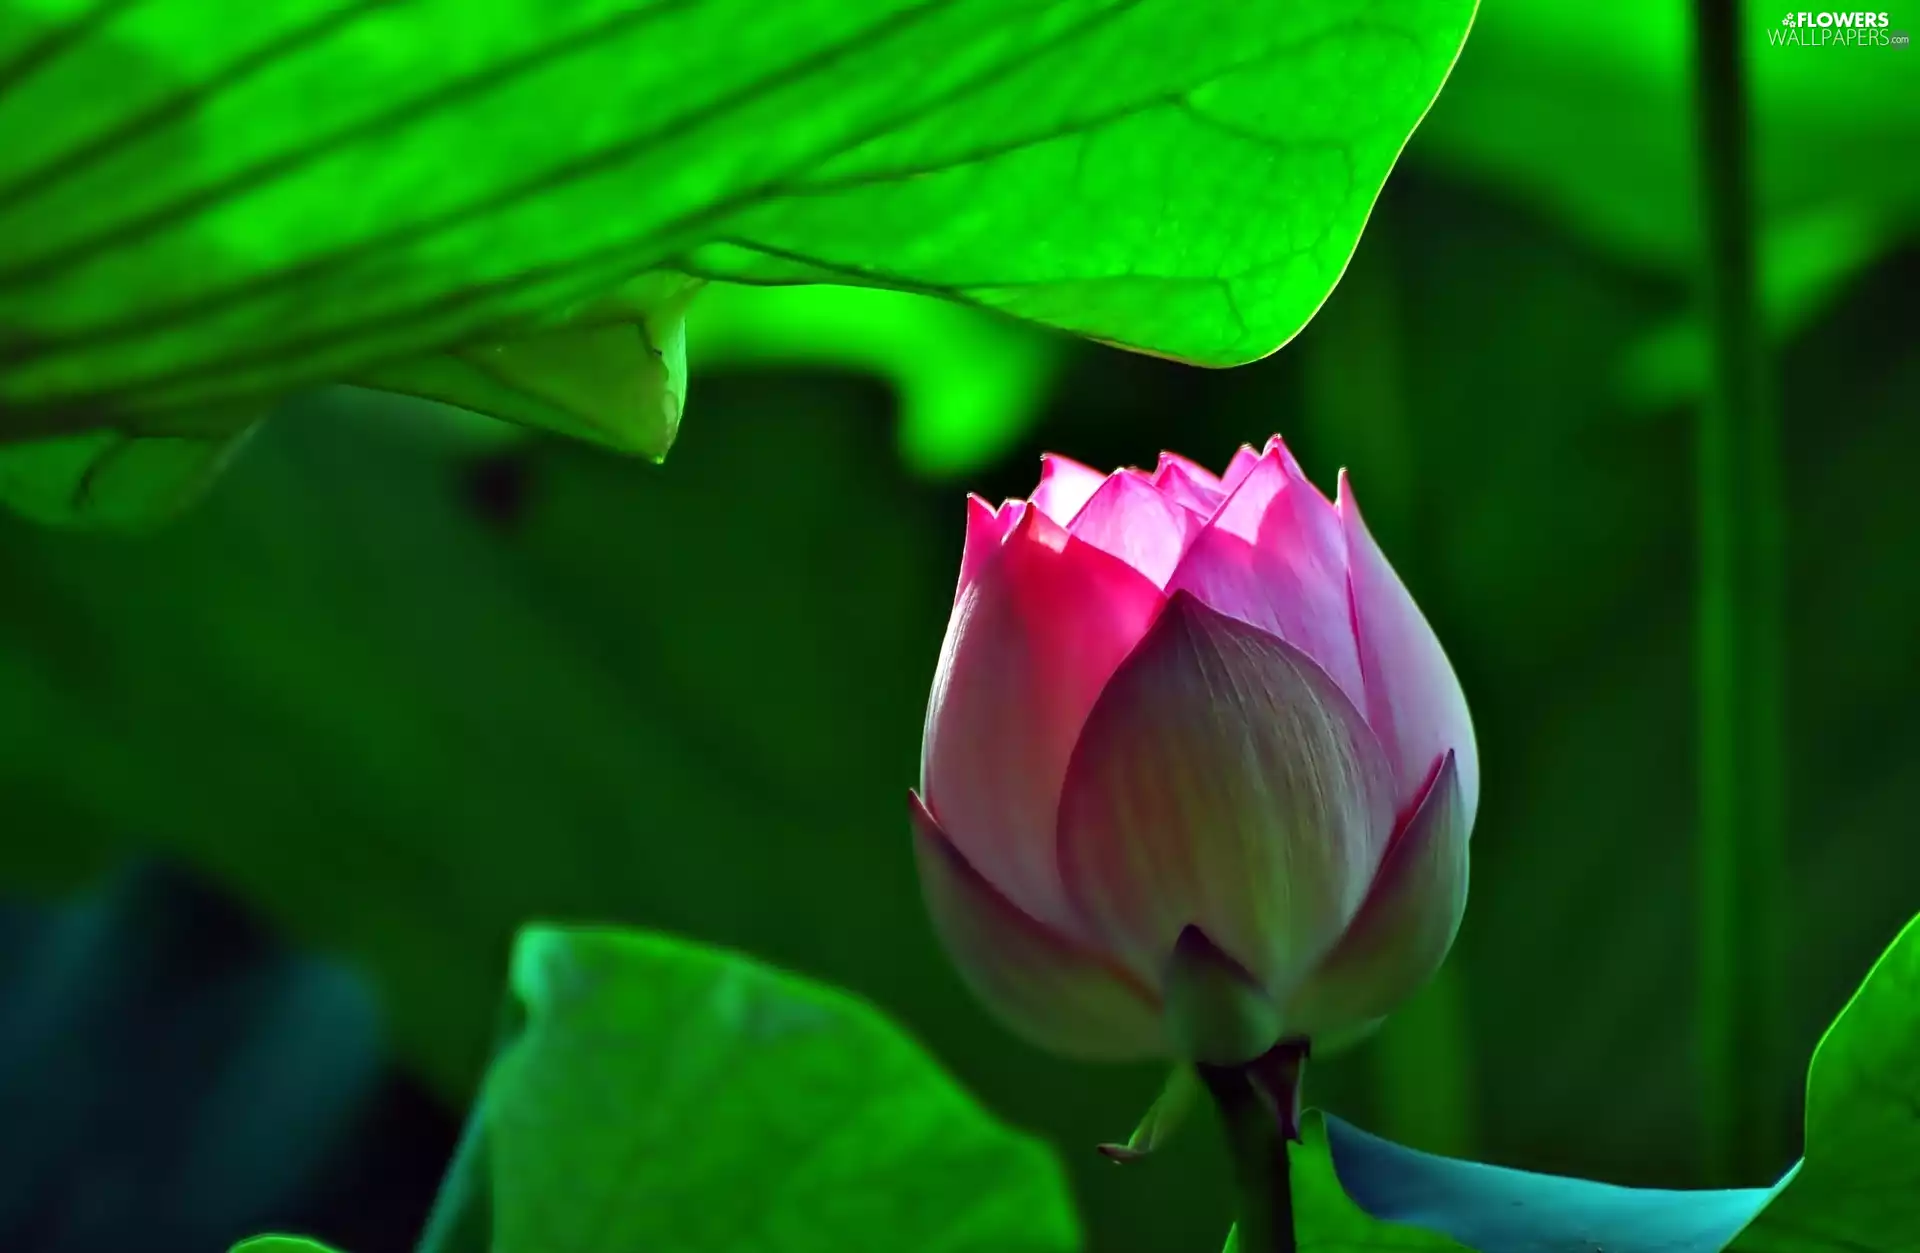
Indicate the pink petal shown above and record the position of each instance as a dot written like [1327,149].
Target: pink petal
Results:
[987,528]
[1065,487]
[1413,702]
[1188,485]
[1031,643]
[1129,518]
[1274,556]
[1239,468]
[1277,447]
[1046,989]
[1223,781]
[1404,928]
[1189,469]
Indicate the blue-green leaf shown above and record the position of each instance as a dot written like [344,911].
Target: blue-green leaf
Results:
[1492,1209]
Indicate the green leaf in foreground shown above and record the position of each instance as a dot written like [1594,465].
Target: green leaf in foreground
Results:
[1858,1190]
[281,1244]
[664,1095]
[207,201]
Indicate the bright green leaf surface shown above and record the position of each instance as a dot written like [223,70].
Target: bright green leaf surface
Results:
[665,1095]
[202,201]
[969,385]
[1859,1187]
[281,1244]
[615,373]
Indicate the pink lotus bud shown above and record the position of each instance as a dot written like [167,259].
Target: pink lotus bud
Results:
[1172,702]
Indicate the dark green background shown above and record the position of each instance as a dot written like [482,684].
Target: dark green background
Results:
[394,694]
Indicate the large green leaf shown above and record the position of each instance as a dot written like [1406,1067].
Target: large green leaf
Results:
[666,1095]
[967,384]
[613,373]
[1859,1188]
[208,201]
[661,1094]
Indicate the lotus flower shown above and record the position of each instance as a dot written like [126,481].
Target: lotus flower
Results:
[1197,776]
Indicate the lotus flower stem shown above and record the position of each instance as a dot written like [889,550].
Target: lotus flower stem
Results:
[1740,657]
[1259,1106]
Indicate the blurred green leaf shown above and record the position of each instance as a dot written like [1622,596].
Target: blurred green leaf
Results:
[1585,112]
[155,1001]
[1859,1187]
[1805,265]
[970,384]
[281,1244]
[203,202]
[666,1095]
[107,478]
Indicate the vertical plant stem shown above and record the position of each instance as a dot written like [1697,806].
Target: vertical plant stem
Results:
[1740,648]
[1259,1106]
